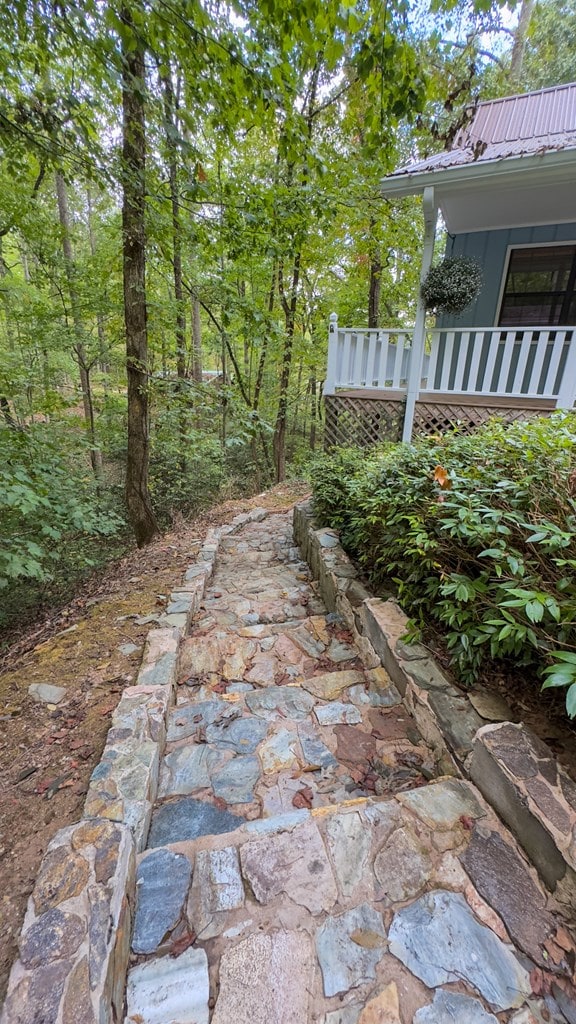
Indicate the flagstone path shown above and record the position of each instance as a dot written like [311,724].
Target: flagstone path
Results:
[303,862]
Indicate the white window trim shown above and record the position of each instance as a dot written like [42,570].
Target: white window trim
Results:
[509,250]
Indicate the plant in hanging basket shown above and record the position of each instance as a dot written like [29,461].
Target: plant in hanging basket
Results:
[451,285]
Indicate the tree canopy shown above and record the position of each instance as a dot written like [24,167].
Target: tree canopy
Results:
[188,190]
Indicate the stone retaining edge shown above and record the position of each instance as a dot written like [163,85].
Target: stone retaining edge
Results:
[532,794]
[75,940]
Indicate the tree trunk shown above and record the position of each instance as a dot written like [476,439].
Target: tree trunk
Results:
[64,217]
[375,280]
[170,129]
[289,305]
[279,441]
[313,410]
[519,47]
[134,275]
[171,149]
[102,347]
[196,340]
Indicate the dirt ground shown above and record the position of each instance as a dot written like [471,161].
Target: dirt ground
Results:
[47,752]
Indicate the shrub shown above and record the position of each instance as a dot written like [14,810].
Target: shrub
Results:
[52,520]
[479,535]
[452,285]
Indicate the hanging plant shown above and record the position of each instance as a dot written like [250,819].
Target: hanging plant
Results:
[452,285]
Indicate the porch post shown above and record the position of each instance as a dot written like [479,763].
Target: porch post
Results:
[419,336]
[330,382]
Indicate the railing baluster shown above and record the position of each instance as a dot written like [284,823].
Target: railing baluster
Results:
[522,363]
[504,370]
[462,356]
[539,357]
[371,375]
[398,359]
[434,335]
[492,355]
[477,343]
[554,362]
[447,360]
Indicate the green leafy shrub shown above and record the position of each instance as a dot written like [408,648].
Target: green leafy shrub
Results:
[479,535]
[48,502]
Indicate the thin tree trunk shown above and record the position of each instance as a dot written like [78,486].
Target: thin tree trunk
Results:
[64,217]
[196,340]
[134,275]
[102,347]
[279,441]
[264,350]
[313,410]
[171,149]
[290,304]
[375,281]
[4,403]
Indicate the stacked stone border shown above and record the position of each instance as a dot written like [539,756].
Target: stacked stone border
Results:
[75,940]
[514,770]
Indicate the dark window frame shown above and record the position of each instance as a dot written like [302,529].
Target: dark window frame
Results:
[555,304]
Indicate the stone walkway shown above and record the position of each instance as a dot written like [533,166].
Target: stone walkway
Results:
[303,863]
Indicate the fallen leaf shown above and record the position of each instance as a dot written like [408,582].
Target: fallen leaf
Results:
[441,477]
[367,939]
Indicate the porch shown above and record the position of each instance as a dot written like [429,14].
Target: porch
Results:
[466,376]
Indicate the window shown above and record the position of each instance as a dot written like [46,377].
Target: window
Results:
[540,287]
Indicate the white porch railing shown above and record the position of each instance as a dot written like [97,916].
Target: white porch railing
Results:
[518,362]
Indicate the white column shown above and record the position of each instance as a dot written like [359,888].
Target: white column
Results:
[330,382]
[419,336]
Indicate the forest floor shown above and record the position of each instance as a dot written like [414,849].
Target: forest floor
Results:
[92,647]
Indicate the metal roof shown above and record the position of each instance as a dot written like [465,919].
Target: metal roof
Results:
[515,126]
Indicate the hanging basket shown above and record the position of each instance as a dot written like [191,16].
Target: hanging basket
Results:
[452,285]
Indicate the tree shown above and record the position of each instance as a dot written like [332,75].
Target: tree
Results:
[134,275]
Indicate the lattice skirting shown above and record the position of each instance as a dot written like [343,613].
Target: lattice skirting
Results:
[436,418]
[364,422]
[361,422]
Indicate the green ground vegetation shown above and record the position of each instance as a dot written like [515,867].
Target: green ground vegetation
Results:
[477,536]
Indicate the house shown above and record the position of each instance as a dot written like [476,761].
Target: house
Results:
[506,190]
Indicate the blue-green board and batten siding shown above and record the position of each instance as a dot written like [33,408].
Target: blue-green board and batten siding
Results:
[490,249]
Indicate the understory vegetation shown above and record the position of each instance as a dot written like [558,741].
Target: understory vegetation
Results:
[478,536]
[188,189]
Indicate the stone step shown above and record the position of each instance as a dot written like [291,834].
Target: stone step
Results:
[376,910]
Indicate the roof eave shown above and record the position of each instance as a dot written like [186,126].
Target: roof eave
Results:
[485,173]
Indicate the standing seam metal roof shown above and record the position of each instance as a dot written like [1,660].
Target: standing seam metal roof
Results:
[513,126]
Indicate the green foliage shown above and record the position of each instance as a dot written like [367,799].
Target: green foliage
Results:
[47,502]
[479,535]
[452,285]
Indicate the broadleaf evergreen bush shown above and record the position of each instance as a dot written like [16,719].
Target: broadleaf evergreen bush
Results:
[478,534]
